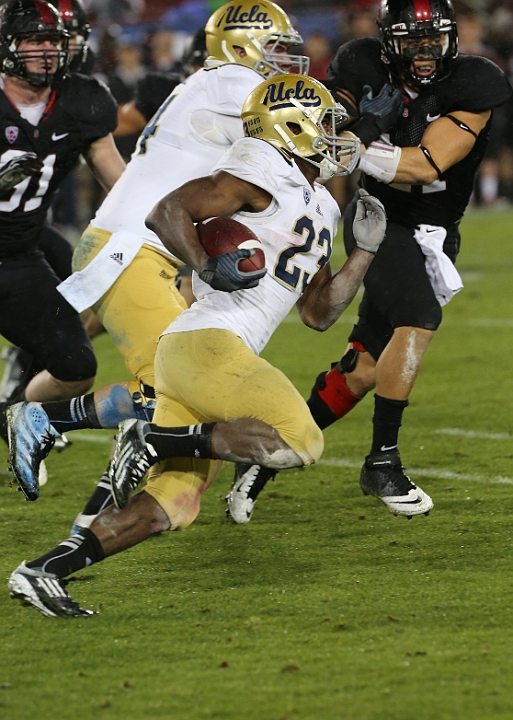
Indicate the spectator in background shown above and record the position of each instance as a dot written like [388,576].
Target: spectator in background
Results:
[129,70]
[162,49]
[360,23]
[108,12]
[122,82]
[318,49]
[497,163]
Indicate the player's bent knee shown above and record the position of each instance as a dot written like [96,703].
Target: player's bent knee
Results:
[74,388]
[181,515]
[312,444]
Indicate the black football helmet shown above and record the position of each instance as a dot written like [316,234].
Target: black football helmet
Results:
[23,19]
[402,21]
[75,21]
[195,53]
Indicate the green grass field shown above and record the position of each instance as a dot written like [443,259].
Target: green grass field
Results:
[325,606]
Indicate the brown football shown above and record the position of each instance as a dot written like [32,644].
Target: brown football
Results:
[220,235]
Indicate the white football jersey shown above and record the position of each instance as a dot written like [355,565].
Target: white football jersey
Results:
[296,231]
[189,133]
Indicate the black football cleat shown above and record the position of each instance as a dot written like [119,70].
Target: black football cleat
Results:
[131,460]
[45,592]
[383,477]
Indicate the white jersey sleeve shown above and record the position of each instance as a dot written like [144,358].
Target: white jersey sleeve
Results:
[296,231]
[184,140]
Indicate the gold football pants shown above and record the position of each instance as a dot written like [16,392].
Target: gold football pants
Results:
[139,306]
[212,376]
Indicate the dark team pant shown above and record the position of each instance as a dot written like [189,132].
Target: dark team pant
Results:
[35,317]
[398,292]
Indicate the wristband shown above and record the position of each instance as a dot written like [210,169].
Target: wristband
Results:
[381,160]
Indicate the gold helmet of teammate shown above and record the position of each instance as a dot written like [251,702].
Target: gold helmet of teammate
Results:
[255,33]
[298,114]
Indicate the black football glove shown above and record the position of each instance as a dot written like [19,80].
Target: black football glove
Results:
[378,114]
[17,169]
[387,105]
[222,272]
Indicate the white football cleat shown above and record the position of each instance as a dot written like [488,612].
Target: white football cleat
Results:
[247,484]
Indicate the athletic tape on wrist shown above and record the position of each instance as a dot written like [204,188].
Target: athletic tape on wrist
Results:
[381,160]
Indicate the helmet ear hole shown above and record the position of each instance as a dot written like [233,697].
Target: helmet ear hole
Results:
[295,128]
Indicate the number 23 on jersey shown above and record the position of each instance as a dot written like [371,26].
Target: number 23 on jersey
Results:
[288,270]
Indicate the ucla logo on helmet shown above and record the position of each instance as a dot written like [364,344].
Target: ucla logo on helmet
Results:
[254,18]
[277,96]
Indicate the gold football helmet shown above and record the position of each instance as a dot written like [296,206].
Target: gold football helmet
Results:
[261,29]
[298,114]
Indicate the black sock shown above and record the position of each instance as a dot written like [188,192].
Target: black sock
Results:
[387,421]
[76,414]
[187,441]
[20,397]
[73,554]
[101,498]
[3,422]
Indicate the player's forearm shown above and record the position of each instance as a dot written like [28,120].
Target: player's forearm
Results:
[173,225]
[414,168]
[322,307]
[105,162]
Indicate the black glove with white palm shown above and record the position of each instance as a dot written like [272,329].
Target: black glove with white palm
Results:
[16,170]
[222,272]
[370,222]
[378,114]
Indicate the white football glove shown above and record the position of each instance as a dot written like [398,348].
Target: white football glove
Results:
[370,222]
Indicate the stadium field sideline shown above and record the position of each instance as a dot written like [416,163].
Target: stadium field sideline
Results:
[325,606]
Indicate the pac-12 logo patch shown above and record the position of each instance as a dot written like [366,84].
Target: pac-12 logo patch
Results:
[307,195]
[11,133]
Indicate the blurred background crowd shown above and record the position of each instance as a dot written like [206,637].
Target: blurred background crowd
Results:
[133,37]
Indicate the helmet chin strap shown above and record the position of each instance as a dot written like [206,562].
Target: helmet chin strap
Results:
[328,169]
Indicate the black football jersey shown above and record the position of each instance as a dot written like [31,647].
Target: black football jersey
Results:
[80,110]
[474,84]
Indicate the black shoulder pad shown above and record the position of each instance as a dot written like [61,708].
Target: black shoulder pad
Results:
[152,90]
[474,84]
[358,63]
[91,103]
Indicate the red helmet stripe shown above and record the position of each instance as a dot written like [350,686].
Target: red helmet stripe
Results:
[422,10]
[45,13]
[66,10]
